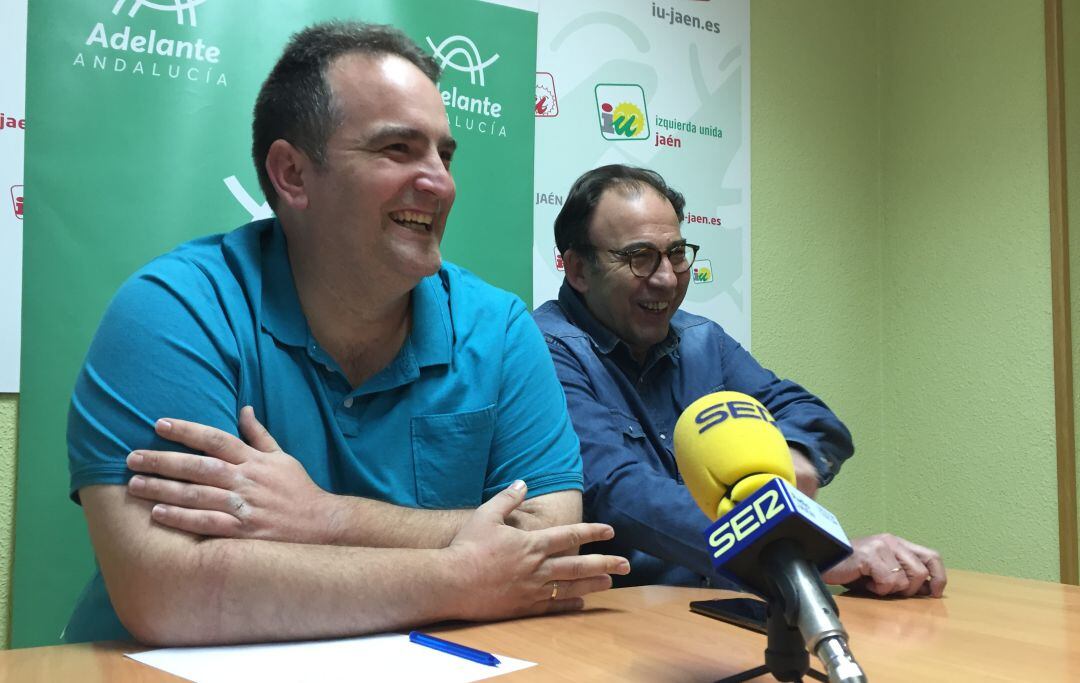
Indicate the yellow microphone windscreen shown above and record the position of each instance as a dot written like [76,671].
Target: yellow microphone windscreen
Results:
[727,445]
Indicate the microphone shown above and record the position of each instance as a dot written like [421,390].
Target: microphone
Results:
[766,535]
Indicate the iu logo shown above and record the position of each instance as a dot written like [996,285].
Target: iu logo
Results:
[621,107]
[546,103]
[17,200]
[702,271]
[180,7]
[447,51]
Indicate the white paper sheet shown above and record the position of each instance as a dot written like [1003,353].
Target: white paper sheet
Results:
[386,657]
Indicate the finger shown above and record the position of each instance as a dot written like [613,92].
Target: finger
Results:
[575,589]
[575,567]
[255,433]
[559,539]
[504,502]
[198,469]
[914,568]
[936,566]
[860,585]
[192,496]
[199,437]
[555,606]
[886,574]
[199,522]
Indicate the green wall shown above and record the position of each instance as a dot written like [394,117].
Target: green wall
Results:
[901,261]
[900,264]
[816,252]
[968,358]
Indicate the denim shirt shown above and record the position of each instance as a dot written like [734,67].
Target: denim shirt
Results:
[624,414]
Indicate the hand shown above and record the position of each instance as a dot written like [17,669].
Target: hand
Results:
[806,475]
[236,489]
[510,572]
[889,565]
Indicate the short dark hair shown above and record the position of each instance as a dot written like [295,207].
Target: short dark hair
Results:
[572,223]
[296,103]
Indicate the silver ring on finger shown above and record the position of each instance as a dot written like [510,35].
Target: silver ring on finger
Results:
[554,590]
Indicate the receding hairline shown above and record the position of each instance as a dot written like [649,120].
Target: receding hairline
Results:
[388,130]
[630,188]
[340,62]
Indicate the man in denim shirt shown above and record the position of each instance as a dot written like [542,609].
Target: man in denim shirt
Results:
[630,362]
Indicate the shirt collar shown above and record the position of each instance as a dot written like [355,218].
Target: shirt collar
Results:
[432,335]
[604,339]
[282,316]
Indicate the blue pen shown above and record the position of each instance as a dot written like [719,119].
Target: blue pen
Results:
[453,649]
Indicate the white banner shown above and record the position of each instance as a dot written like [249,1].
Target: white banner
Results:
[660,85]
[12,134]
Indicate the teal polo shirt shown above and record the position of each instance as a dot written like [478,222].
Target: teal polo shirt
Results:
[470,403]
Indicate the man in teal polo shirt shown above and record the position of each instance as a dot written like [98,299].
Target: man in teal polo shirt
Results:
[405,402]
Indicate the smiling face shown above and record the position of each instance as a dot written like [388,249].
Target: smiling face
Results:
[638,310]
[378,205]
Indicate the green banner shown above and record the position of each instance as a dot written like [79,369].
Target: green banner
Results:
[141,140]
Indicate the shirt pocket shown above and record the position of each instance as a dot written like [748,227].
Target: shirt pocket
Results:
[630,428]
[450,457]
[635,441]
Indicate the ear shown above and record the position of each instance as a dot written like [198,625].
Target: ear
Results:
[288,168]
[575,266]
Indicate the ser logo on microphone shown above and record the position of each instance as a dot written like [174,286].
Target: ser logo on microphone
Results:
[719,412]
[745,521]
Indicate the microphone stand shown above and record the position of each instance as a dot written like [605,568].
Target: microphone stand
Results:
[786,657]
[799,605]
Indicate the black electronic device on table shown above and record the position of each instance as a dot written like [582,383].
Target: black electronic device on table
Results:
[745,613]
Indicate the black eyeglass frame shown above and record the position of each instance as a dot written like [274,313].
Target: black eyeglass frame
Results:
[627,257]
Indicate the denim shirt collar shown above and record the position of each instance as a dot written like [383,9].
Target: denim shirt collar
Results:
[607,341]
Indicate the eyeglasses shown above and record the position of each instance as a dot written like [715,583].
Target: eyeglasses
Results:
[644,261]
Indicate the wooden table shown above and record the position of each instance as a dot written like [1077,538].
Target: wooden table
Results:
[987,628]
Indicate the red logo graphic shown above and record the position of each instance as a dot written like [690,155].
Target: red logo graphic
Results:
[558,260]
[17,200]
[547,104]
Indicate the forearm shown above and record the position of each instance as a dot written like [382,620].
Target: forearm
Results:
[170,588]
[669,526]
[173,588]
[552,509]
[233,590]
[354,521]
[803,418]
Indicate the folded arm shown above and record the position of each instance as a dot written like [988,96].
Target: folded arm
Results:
[172,588]
[815,435]
[255,490]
